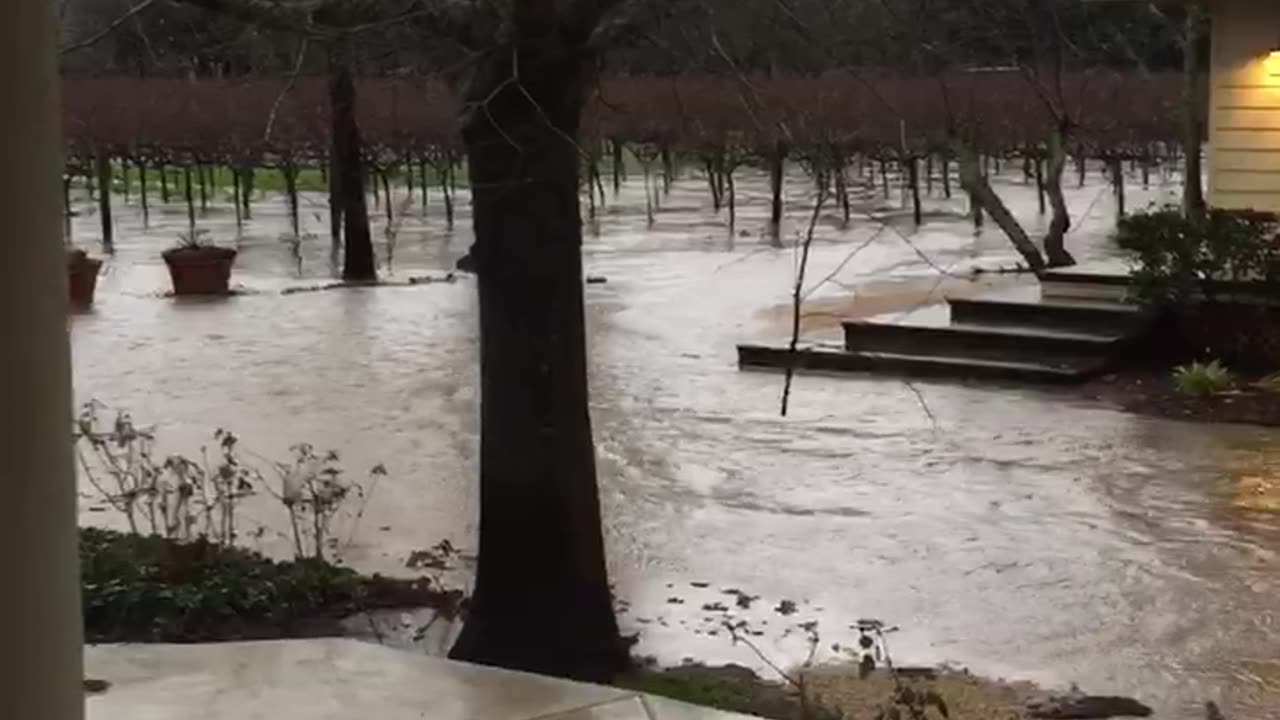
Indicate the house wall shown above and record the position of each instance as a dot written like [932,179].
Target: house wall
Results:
[1244,115]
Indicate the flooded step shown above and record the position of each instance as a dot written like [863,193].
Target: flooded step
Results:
[1011,342]
[1052,372]
[1074,314]
[1106,280]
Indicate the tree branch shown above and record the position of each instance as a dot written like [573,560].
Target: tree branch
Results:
[110,28]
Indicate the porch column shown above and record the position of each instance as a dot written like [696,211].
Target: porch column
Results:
[40,625]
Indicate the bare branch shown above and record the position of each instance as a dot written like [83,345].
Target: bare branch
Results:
[110,28]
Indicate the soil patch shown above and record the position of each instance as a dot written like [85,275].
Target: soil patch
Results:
[834,692]
[1154,393]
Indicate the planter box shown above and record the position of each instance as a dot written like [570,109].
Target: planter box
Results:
[200,270]
[82,278]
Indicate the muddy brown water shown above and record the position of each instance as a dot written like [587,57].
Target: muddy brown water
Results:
[1012,530]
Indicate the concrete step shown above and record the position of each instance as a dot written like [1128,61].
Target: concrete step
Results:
[981,341]
[1048,371]
[1025,310]
[1106,280]
[917,336]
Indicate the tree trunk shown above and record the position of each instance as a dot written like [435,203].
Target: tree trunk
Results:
[348,169]
[290,173]
[946,177]
[732,191]
[1055,241]
[66,208]
[928,174]
[422,176]
[913,177]
[979,188]
[777,167]
[668,169]
[1193,201]
[235,200]
[884,177]
[1039,173]
[1116,166]
[142,193]
[164,184]
[102,166]
[335,207]
[619,168]
[713,183]
[648,192]
[386,196]
[842,190]
[189,191]
[204,190]
[541,601]
[446,186]
[124,179]
[246,191]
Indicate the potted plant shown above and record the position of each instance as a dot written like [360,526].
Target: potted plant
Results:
[198,267]
[82,277]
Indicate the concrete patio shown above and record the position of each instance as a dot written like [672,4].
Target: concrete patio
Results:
[338,678]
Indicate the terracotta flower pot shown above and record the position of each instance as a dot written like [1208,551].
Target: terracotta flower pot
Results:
[200,269]
[82,278]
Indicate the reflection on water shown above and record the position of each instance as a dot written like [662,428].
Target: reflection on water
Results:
[1014,530]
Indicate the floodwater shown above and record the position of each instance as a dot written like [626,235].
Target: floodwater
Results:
[1016,531]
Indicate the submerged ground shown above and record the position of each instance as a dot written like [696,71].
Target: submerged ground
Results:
[1014,530]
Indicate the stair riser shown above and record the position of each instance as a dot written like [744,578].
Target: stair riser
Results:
[764,358]
[984,312]
[1084,291]
[997,346]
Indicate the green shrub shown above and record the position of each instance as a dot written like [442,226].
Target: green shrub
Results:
[1203,379]
[146,588]
[1179,259]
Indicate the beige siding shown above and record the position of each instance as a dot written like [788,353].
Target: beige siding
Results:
[1244,117]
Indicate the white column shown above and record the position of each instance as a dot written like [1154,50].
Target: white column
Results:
[40,624]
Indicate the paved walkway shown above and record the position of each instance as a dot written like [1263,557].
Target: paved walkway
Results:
[329,679]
